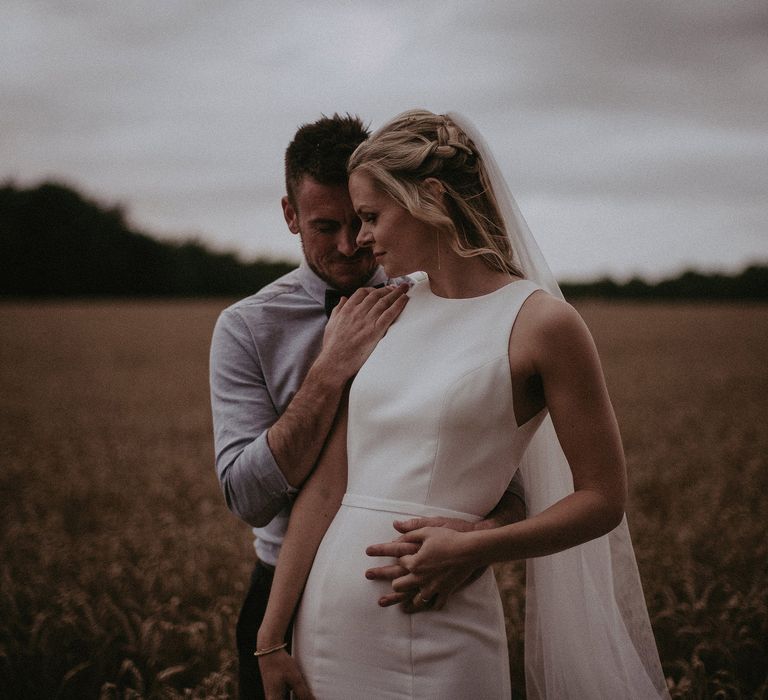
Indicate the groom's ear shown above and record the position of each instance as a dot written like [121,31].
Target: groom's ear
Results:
[290,214]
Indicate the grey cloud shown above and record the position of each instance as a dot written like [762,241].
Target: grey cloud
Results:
[182,109]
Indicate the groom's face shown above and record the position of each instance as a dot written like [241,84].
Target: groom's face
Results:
[324,218]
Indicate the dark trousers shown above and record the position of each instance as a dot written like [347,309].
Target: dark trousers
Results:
[251,615]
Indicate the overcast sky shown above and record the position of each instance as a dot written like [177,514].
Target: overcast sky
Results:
[634,133]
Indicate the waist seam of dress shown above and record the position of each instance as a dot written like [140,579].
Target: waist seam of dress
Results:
[411,508]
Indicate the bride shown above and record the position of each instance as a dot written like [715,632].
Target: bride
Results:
[487,371]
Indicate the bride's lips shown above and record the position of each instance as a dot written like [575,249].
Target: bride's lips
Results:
[378,255]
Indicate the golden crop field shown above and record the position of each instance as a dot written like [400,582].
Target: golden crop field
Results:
[123,572]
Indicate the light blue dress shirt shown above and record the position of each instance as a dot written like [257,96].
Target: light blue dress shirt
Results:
[261,350]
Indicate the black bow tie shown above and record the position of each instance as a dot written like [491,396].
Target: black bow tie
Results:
[332,298]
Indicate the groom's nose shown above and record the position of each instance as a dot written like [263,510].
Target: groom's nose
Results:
[347,242]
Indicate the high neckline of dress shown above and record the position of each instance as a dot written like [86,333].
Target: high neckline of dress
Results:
[428,288]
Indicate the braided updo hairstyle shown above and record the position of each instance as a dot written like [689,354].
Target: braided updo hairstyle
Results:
[417,145]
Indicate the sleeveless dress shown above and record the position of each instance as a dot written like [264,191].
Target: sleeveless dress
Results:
[431,432]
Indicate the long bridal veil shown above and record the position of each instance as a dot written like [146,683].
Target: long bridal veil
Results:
[587,631]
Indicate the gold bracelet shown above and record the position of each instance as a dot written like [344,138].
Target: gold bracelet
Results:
[269,650]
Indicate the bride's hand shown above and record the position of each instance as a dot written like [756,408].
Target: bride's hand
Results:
[430,564]
[280,673]
[441,564]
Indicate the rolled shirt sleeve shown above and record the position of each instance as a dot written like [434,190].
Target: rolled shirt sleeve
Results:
[254,487]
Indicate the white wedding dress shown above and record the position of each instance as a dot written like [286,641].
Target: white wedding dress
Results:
[432,431]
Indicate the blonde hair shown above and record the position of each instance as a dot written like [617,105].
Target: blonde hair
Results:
[418,145]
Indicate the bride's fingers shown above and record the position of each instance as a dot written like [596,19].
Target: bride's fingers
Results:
[438,602]
[424,600]
[273,692]
[414,536]
[407,561]
[405,583]
[300,688]
[420,600]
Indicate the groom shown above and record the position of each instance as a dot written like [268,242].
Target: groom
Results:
[277,377]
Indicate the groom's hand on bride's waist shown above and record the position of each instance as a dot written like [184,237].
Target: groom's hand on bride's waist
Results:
[418,591]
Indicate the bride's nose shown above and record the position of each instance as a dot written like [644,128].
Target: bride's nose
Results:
[364,237]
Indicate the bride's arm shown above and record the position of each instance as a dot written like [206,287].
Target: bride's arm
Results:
[565,357]
[312,512]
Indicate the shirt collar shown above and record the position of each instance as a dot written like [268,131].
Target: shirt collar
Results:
[316,287]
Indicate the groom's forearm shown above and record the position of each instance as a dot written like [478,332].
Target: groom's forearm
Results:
[510,509]
[297,437]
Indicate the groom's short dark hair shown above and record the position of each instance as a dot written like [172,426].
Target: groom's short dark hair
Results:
[321,150]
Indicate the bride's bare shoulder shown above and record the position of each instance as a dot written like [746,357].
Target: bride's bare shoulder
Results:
[548,313]
[552,324]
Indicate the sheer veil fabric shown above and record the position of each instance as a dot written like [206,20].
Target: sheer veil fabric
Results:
[587,631]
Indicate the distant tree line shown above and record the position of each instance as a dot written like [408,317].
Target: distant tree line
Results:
[751,283]
[56,243]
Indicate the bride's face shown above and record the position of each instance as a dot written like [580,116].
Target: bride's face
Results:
[399,241]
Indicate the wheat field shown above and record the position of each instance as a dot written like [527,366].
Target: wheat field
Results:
[122,571]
